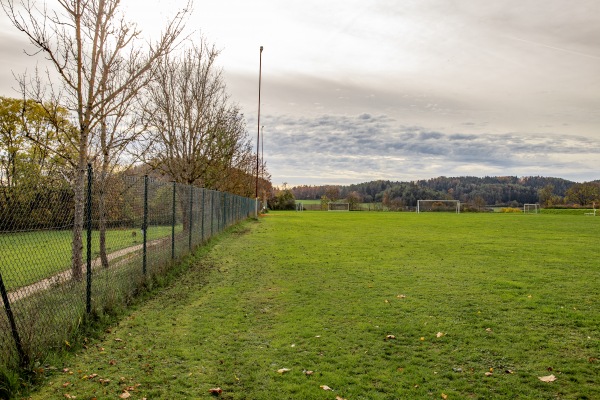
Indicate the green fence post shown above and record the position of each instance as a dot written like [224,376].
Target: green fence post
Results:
[145,226]
[88,218]
[203,215]
[212,212]
[173,225]
[191,216]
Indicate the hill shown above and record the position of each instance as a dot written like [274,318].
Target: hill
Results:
[499,190]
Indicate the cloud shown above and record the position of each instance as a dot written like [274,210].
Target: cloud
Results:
[341,149]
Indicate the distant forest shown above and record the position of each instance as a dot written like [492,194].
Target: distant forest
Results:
[500,191]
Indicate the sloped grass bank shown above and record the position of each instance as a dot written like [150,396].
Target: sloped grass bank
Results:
[369,305]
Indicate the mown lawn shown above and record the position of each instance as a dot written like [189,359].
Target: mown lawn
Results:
[29,257]
[369,305]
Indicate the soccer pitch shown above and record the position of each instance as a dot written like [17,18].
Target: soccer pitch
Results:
[364,305]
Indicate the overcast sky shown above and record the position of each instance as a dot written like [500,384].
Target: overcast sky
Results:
[356,90]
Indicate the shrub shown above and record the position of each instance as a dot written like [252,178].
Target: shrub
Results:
[510,210]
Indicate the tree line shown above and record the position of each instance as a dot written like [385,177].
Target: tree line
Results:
[495,191]
[119,102]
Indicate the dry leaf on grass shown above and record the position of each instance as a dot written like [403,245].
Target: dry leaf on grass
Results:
[325,387]
[308,373]
[339,398]
[401,296]
[549,378]
[489,373]
[390,337]
[439,334]
[125,395]
[216,391]
[444,396]
[283,370]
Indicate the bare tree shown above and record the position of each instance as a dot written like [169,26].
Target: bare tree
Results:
[198,137]
[87,42]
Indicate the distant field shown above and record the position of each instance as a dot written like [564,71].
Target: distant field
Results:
[366,306]
[28,257]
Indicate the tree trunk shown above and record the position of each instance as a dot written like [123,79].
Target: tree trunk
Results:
[77,244]
[102,216]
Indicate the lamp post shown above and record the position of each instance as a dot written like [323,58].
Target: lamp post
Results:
[258,130]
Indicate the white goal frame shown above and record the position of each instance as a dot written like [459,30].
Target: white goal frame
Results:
[457,203]
[528,206]
[338,206]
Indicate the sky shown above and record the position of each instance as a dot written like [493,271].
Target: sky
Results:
[401,90]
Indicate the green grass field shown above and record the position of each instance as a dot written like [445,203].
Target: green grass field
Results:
[28,257]
[369,305]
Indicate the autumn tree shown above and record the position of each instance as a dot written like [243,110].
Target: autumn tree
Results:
[354,199]
[30,174]
[583,193]
[87,42]
[197,135]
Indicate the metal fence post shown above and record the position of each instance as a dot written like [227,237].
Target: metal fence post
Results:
[88,218]
[173,225]
[212,212]
[191,216]
[145,225]
[23,359]
[203,215]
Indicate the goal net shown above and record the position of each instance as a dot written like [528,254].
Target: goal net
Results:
[531,208]
[438,206]
[338,206]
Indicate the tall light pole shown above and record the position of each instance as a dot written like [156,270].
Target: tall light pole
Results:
[258,130]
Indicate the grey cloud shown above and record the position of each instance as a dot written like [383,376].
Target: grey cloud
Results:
[352,146]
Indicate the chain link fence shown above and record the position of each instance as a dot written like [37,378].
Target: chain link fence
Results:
[135,228]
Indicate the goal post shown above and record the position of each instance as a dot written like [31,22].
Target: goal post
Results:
[531,208]
[338,206]
[438,206]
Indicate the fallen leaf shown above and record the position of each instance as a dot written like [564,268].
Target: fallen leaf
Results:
[118,340]
[592,359]
[66,384]
[339,398]
[308,373]
[422,338]
[68,396]
[401,296]
[112,362]
[489,373]
[549,378]
[390,337]
[325,387]
[216,391]
[549,368]
[509,371]
[488,329]
[283,370]
[125,395]
[65,369]
[386,301]
[444,396]
[103,381]
[439,334]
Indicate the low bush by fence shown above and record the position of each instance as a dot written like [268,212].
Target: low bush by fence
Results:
[146,225]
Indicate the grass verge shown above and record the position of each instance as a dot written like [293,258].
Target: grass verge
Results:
[369,305]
